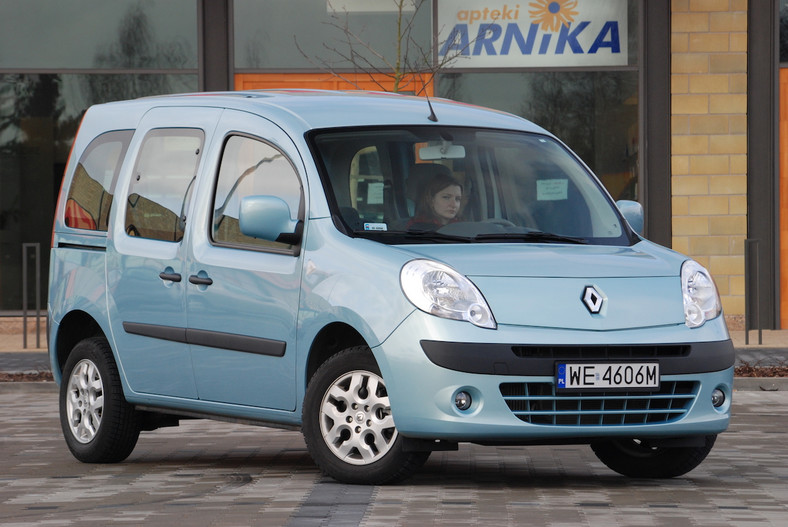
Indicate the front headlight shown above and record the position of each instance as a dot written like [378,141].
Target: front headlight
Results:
[701,300]
[441,291]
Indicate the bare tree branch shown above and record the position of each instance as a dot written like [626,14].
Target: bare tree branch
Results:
[411,60]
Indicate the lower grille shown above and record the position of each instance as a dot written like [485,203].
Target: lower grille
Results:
[537,403]
[602,352]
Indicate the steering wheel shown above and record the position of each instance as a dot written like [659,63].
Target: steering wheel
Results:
[499,221]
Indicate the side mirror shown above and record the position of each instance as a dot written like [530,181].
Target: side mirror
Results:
[268,218]
[633,213]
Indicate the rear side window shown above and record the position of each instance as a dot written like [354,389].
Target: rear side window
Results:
[251,167]
[162,182]
[90,195]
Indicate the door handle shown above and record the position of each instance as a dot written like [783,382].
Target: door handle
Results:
[172,277]
[200,280]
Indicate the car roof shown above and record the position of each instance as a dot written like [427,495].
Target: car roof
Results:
[317,109]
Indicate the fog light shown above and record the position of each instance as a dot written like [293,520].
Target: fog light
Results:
[717,397]
[462,400]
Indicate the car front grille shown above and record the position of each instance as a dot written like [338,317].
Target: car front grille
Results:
[538,403]
[602,352]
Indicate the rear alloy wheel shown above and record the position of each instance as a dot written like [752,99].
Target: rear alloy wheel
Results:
[98,424]
[638,459]
[348,425]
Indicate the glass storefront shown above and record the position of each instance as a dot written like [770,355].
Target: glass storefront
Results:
[90,34]
[341,35]
[97,51]
[594,109]
[595,113]
[94,51]
[783,31]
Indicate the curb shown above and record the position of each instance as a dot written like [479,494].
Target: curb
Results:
[762,384]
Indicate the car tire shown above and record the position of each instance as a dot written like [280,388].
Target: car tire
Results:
[348,425]
[98,424]
[638,459]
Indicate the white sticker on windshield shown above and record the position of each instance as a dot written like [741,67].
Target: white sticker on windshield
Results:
[375,194]
[552,189]
[375,227]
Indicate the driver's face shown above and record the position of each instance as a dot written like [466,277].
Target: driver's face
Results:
[446,203]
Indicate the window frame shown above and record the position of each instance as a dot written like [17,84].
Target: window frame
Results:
[123,136]
[281,248]
[166,132]
[493,190]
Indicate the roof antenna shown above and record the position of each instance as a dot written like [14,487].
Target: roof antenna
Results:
[432,117]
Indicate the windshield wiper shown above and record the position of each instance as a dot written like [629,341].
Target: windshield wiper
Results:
[531,236]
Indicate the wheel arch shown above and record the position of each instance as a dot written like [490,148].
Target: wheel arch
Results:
[329,341]
[76,326]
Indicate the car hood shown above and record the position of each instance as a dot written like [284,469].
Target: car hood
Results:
[555,260]
[549,285]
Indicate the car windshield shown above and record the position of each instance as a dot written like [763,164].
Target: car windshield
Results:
[434,184]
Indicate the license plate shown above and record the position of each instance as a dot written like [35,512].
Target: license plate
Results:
[609,376]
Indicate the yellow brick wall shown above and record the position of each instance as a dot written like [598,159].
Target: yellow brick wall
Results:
[709,139]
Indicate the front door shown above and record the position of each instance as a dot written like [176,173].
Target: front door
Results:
[242,292]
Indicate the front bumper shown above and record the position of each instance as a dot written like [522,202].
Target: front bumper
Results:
[513,397]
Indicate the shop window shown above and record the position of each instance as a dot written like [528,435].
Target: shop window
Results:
[39,116]
[90,196]
[594,112]
[161,184]
[121,34]
[783,30]
[269,36]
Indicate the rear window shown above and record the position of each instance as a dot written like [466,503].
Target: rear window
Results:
[90,195]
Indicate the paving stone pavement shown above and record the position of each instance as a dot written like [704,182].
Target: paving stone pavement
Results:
[24,361]
[212,473]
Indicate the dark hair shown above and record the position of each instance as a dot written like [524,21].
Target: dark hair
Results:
[438,182]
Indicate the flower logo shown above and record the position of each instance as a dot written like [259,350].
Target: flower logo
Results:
[551,14]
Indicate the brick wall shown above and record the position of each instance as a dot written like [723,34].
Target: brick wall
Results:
[709,140]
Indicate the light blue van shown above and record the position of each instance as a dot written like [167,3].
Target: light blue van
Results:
[389,274]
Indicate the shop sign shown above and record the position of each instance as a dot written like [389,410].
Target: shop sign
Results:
[539,33]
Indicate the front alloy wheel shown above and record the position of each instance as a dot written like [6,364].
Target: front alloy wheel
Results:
[348,424]
[355,418]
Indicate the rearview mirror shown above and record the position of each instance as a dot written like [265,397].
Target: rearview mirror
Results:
[442,151]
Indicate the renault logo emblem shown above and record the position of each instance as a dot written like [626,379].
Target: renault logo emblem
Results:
[593,299]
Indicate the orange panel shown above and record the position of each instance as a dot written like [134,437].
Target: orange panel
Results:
[783,198]
[327,81]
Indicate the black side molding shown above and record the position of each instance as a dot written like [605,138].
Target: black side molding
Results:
[98,248]
[213,339]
